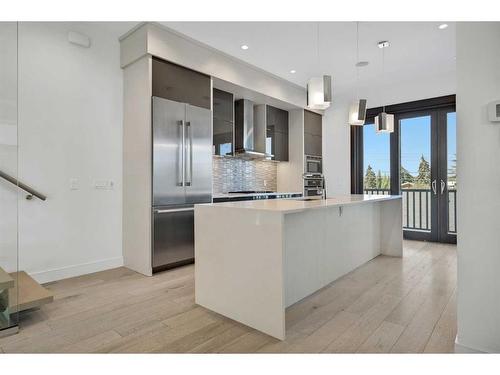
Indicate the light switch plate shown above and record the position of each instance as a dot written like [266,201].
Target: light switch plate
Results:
[73,184]
[104,184]
[494,111]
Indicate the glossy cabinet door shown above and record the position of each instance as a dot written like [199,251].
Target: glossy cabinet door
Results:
[277,133]
[198,151]
[223,122]
[174,82]
[223,105]
[312,133]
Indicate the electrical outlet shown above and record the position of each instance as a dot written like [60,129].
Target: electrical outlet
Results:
[103,184]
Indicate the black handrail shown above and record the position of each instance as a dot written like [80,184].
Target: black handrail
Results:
[19,184]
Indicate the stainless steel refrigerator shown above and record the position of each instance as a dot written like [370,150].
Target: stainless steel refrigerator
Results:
[182,177]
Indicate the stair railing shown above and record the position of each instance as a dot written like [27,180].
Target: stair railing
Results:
[31,192]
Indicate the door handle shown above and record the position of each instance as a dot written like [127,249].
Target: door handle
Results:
[190,164]
[434,187]
[183,144]
[173,210]
[443,185]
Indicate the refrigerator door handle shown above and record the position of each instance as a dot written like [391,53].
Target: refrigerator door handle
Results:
[190,163]
[181,159]
[173,210]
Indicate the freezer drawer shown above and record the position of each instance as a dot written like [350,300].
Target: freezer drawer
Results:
[173,237]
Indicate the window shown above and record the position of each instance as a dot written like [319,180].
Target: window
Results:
[225,149]
[376,161]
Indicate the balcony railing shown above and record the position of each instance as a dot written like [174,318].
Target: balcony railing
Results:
[417,208]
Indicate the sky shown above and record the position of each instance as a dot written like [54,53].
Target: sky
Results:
[415,141]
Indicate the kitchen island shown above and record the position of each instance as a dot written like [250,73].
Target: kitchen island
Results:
[256,258]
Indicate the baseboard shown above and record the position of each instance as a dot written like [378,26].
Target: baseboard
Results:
[76,270]
[463,349]
[9,331]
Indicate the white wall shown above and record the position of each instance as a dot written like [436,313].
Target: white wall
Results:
[70,127]
[478,155]
[336,131]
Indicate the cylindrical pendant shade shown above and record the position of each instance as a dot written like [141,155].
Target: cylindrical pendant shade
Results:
[357,112]
[319,92]
[384,123]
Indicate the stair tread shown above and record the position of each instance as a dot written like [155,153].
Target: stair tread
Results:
[6,280]
[31,294]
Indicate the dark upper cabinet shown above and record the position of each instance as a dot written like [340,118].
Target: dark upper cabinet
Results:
[223,124]
[174,82]
[223,105]
[277,133]
[312,145]
[312,123]
[312,133]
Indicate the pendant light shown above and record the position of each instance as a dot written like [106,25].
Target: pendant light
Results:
[357,110]
[384,122]
[319,89]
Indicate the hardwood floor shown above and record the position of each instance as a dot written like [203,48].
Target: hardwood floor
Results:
[396,305]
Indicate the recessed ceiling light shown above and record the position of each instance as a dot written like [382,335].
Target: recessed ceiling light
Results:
[244,46]
[383,44]
[361,64]
[443,26]
[293,71]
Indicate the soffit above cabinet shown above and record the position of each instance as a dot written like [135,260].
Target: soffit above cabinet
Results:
[156,40]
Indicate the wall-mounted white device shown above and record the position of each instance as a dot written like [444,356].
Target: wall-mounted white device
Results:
[79,39]
[494,111]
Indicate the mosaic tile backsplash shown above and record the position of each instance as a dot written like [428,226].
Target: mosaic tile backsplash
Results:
[232,174]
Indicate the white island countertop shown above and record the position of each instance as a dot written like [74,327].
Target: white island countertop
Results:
[299,204]
[256,258]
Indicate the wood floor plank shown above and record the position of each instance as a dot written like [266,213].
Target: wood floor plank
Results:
[171,330]
[401,304]
[250,342]
[383,339]
[416,335]
[92,343]
[196,338]
[214,344]
[317,341]
[363,328]
[442,339]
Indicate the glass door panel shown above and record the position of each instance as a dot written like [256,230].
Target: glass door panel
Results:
[447,178]
[451,121]
[8,176]
[376,161]
[415,173]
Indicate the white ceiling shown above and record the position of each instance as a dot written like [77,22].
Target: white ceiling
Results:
[418,51]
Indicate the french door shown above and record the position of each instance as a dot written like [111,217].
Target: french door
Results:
[423,149]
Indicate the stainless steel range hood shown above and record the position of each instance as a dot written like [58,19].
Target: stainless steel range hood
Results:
[250,130]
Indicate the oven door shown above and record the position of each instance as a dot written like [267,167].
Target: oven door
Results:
[313,166]
[311,192]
